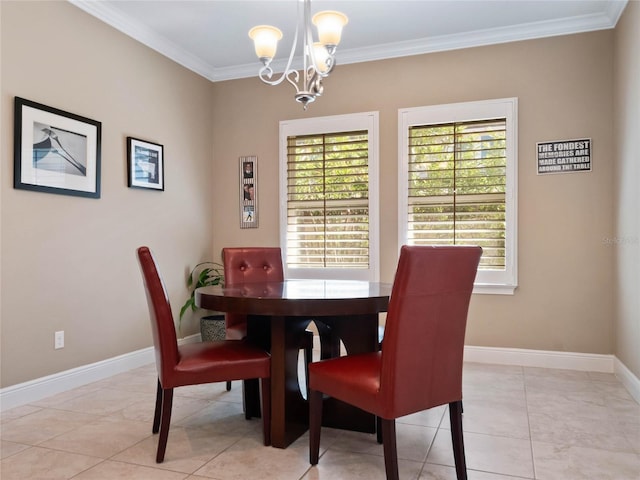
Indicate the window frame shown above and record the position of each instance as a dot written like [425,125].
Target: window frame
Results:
[487,281]
[333,124]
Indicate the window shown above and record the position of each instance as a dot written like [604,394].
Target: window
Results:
[329,191]
[458,172]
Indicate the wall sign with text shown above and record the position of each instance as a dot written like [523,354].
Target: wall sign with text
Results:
[564,156]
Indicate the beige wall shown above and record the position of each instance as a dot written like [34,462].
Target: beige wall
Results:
[627,184]
[564,86]
[69,263]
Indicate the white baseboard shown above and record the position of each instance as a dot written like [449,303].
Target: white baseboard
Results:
[589,362]
[34,390]
[39,388]
[564,360]
[628,379]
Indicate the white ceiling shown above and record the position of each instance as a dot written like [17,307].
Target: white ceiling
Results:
[210,36]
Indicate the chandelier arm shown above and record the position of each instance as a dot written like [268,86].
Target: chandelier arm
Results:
[307,49]
[265,74]
[295,74]
[314,85]
[266,71]
[331,62]
[288,70]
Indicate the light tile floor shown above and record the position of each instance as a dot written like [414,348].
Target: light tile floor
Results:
[520,423]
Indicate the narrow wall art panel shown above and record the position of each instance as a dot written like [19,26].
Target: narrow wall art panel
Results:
[248,192]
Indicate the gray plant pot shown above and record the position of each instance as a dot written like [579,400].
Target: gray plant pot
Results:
[212,328]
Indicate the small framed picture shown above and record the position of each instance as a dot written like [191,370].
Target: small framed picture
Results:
[55,151]
[145,162]
[248,192]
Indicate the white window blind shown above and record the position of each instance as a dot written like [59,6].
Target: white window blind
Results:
[327,200]
[329,218]
[457,184]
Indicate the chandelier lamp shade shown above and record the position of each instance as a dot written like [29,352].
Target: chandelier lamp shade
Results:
[318,56]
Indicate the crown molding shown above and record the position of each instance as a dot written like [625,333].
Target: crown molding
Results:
[146,36]
[479,38]
[528,31]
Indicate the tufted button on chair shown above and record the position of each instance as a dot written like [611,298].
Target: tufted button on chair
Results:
[255,265]
[195,363]
[420,364]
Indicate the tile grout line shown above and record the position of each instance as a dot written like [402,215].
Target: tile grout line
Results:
[526,403]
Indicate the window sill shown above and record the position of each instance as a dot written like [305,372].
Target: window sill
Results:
[491,289]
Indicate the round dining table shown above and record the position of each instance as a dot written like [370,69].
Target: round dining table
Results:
[346,316]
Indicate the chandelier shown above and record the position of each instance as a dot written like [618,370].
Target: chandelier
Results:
[318,57]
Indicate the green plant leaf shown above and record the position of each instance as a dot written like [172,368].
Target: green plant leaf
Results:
[203,274]
[202,278]
[188,304]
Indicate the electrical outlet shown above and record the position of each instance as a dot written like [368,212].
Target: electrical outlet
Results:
[58,339]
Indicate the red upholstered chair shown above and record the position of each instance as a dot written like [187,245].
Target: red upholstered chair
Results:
[195,363]
[249,265]
[420,365]
[253,265]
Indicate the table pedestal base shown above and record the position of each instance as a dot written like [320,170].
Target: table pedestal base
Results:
[290,410]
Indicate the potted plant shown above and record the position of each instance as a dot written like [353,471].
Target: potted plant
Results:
[205,274]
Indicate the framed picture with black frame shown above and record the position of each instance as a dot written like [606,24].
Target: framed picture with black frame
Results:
[55,151]
[145,164]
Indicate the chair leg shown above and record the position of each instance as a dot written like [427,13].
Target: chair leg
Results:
[379,430]
[315,422]
[265,386]
[251,398]
[158,411]
[455,416]
[390,448]
[167,402]
[228,386]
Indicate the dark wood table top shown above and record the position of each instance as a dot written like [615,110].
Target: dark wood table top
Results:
[297,298]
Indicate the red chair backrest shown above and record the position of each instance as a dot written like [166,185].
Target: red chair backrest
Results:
[424,334]
[162,327]
[252,265]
